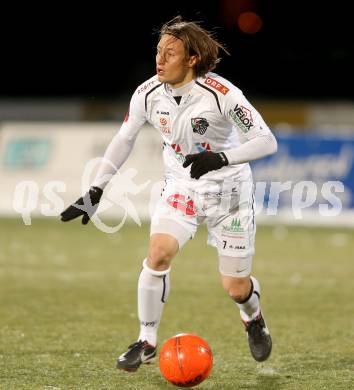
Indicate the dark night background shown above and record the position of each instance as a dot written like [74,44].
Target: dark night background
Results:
[304,49]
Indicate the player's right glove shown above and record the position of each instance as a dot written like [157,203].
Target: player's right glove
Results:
[86,206]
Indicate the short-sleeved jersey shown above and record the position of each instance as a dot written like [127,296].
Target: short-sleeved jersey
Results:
[212,115]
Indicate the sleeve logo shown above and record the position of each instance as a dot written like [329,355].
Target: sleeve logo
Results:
[146,86]
[242,118]
[216,85]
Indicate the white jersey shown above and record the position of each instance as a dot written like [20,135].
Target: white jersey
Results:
[212,115]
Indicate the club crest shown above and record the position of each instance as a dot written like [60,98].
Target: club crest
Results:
[199,125]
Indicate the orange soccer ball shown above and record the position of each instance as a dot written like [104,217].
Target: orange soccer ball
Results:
[186,360]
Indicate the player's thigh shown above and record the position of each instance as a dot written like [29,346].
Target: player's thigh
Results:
[234,237]
[235,267]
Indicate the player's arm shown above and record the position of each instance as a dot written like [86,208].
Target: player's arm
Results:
[257,141]
[115,155]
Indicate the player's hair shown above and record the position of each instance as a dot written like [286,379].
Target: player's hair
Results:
[197,41]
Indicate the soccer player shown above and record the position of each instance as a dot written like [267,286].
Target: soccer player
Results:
[210,132]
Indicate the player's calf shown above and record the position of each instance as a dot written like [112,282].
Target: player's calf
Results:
[246,293]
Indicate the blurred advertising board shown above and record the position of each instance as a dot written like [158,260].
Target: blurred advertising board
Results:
[46,166]
[311,169]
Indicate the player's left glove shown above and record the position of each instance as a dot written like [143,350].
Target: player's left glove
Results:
[205,162]
[85,206]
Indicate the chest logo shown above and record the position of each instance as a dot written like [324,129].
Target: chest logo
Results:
[163,121]
[199,125]
[164,124]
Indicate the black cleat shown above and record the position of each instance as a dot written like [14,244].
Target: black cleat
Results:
[138,353]
[259,339]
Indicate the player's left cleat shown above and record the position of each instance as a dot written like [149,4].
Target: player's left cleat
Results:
[138,353]
[259,339]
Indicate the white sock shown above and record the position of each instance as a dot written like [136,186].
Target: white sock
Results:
[153,290]
[250,308]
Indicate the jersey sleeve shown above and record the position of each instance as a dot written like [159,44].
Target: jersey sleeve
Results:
[257,140]
[243,116]
[135,117]
[122,144]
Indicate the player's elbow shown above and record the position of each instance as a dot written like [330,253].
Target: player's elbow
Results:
[272,144]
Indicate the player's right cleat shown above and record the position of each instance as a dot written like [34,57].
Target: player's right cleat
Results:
[259,339]
[138,353]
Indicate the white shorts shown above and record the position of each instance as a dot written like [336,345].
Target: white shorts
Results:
[229,217]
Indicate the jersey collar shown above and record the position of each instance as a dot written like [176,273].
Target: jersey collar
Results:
[181,90]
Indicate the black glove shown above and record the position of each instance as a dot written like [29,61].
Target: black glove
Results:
[204,162]
[86,206]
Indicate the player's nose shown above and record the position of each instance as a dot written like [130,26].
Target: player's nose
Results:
[159,59]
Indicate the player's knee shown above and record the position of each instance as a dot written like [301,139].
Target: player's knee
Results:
[237,295]
[161,252]
[159,257]
[237,288]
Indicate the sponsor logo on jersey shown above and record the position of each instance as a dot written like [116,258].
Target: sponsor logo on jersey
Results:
[199,125]
[176,148]
[146,86]
[164,122]
[242,117]
[182,203]
[216,85]
[202,146]
[178,153]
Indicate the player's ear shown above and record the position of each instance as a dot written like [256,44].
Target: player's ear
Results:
[193,60]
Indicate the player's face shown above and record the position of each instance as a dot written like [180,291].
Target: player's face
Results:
[173,66]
